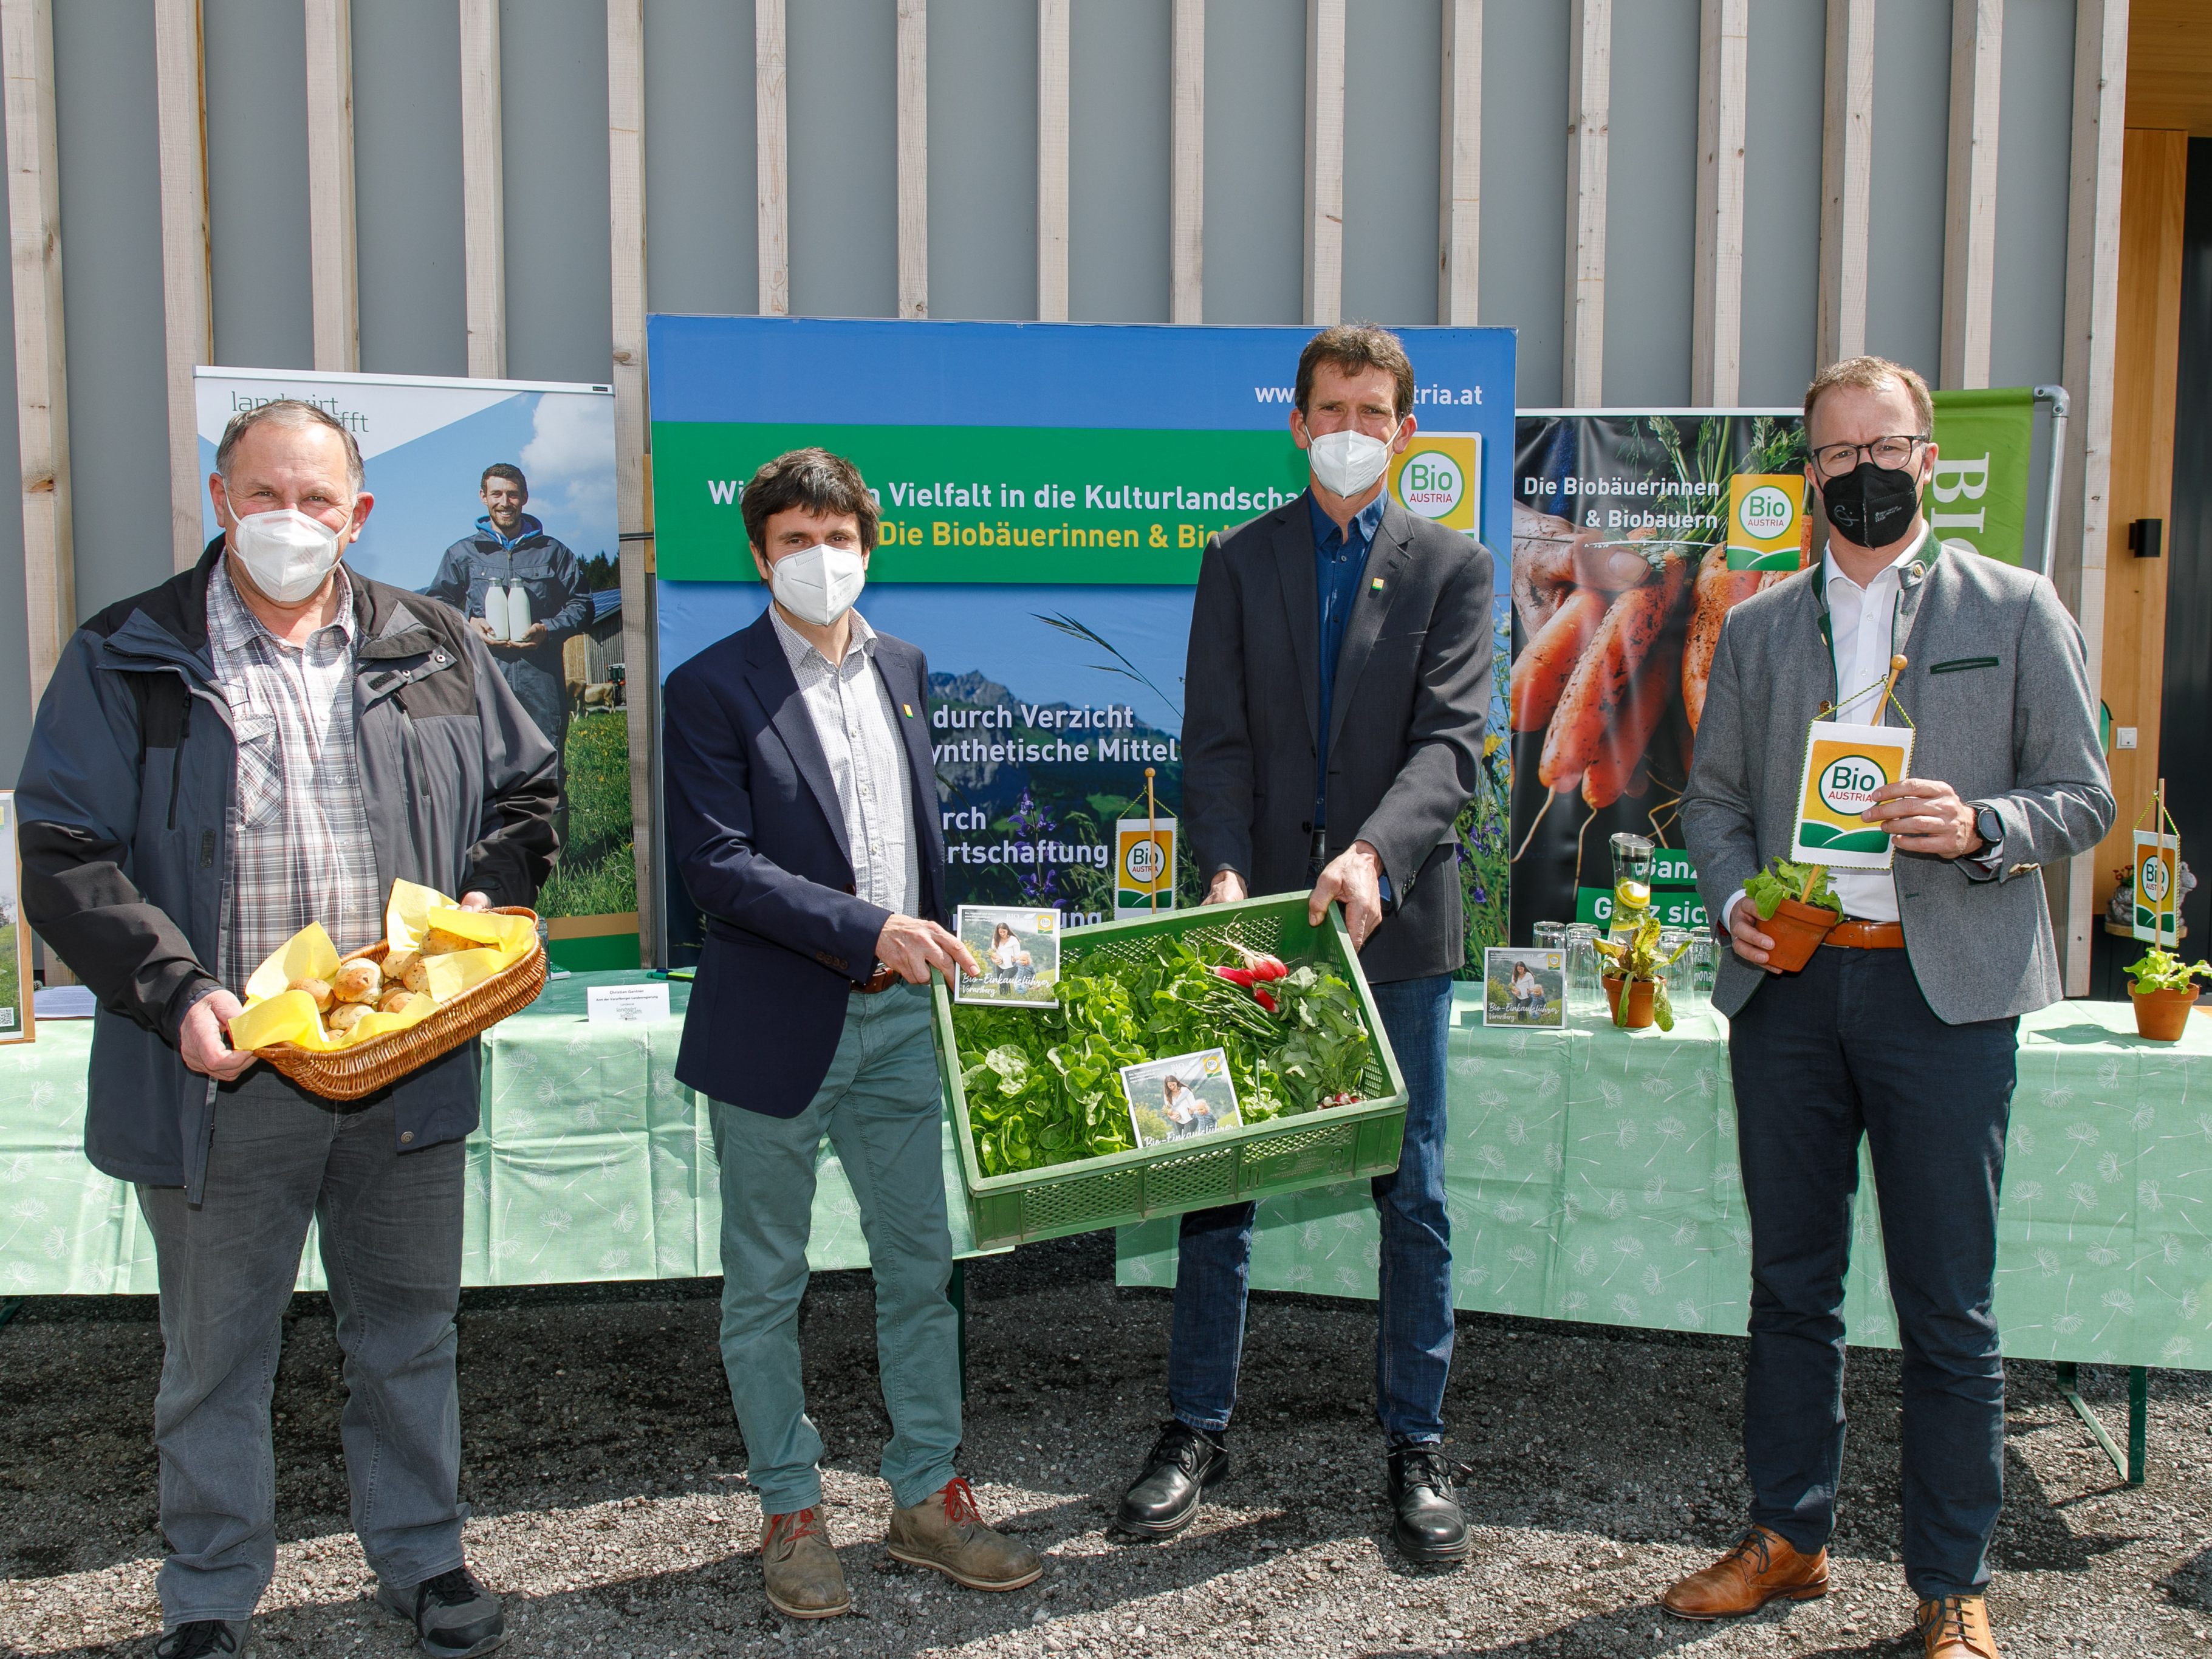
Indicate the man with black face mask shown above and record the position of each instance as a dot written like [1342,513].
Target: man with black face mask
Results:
[1902,1028]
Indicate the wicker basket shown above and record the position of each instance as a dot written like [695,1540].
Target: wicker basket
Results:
[362,1069]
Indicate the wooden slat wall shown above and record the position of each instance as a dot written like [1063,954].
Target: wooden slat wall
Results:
[2146,354]
[333,272]
[1716,294]
[1324,217]
[633,498]
[913,158]
[1459,171]
[483,191]
[772,166]
[1589,100]
[1052,160]
[1187,150]
[1970,195]
[188,323]
[34,256]
[1846,181]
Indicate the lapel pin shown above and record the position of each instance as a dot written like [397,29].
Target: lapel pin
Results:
[907,709]
[1376,586]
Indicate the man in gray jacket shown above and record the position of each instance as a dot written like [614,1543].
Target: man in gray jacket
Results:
[259,742]
[1902,1028]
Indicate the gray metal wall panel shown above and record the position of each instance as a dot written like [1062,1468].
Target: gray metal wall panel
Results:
[1912,137]
[1651,202]
[256,54]
[1393,106]
[982,159]
[1255,169]
[407,187]
[553,112]
[843,127]
[1120,88]
[1524,182]
[1782,199]
[118,417]
[702,205]
[15,634]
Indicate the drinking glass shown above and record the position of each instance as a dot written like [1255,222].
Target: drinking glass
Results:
[1548,935]
[1678,971]
[1705,965]
[1585,990]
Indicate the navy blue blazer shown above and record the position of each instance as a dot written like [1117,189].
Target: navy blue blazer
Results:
[759,839]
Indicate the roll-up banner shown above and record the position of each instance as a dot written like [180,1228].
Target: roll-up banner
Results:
[1634,532]
[1046,491]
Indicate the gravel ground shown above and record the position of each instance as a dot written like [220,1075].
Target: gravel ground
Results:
[611,1509]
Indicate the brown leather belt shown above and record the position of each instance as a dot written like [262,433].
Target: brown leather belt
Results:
[1867,936]
[884,977]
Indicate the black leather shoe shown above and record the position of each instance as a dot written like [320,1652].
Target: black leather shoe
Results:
[1429,1529]
[1184,1466]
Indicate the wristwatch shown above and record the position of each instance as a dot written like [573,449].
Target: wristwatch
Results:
[1991,829]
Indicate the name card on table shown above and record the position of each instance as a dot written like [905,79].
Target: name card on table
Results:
[627,1005]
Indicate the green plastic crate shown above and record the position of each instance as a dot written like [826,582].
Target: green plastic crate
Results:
[1228,1166]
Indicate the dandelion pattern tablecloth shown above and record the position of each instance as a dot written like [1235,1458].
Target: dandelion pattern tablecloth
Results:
[591,1162]
[1592,1174]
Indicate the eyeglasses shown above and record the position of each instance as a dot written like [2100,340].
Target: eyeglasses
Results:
[1891,452]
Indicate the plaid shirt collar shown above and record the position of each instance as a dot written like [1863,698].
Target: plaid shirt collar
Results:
[798,649]
[232,625]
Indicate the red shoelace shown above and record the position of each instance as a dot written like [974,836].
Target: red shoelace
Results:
[960,1504]
[798,1523]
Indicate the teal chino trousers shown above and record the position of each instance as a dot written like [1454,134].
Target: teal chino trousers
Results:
[879,1108]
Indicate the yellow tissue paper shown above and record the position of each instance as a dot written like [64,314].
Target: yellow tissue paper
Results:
[309,954]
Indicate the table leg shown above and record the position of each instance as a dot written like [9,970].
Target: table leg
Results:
[956,1292]
[2134,1465]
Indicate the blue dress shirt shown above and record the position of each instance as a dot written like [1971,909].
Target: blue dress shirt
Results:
[1340,561]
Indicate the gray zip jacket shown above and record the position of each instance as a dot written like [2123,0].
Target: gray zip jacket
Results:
[126,799]
[1998,688]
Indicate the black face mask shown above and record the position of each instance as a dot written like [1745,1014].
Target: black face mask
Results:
[1871,505]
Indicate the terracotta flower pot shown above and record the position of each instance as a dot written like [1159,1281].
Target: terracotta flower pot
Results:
[1638,1014]
[2162,1015]
[1796,930]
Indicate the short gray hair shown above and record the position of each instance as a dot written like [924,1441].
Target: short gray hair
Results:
[296,414]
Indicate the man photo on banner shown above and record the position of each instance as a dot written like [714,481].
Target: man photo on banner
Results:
[1339,682]
[263,742]
[523,594]
[802,808]
[1902,1029]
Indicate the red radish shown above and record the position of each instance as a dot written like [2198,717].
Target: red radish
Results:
[1264,1000]
[1235,975]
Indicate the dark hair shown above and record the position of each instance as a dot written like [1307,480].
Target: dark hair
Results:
[507,470]
[812,478]
[291,412]
[1350,348]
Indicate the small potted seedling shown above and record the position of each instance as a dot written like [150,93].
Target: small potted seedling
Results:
[1796,907]
[2164,988]
[1636,985]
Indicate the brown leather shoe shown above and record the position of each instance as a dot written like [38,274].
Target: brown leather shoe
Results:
[1956,1627]
[1763,1567]
[945,1530]
[799,1569]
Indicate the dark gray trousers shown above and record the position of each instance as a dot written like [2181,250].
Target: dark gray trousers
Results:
[391,1252]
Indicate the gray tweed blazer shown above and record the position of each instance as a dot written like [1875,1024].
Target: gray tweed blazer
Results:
[1998,692]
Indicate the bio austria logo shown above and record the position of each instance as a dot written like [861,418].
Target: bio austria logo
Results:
[1848,783]
[1431,483]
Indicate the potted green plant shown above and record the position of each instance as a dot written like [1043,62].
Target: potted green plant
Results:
[2164,988]
[1796,907]
[1636,985]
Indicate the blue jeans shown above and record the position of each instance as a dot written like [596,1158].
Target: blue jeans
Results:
[1850,1047]
[1413,1322]
[881,1108]
[391,1252]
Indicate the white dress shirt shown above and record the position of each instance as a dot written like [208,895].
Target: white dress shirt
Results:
[850,710]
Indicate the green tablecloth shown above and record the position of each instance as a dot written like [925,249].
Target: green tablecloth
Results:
[1591,1173]
[591,1162]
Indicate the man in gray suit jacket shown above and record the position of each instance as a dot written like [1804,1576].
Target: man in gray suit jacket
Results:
[1338,681]
[1902,1028]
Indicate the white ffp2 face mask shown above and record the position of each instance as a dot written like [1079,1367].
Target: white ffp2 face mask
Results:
[285,553]
[1347,463]
[818,584]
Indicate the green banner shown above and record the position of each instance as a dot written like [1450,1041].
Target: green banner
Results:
[985,504]
[1977,497]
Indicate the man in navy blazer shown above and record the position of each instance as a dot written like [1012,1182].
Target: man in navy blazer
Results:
[802,809]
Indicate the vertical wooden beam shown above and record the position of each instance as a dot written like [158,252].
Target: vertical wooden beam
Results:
[1052,158]
[2093,259]
[913,158]
[484,190]
[1589,100]
[1324,226]
[632,504]
[1187,146]
[333,276]
[1459,170]
[34,256]
[188,326]
[1846,176]
[1716,305]
[772,154]
[1970,189]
